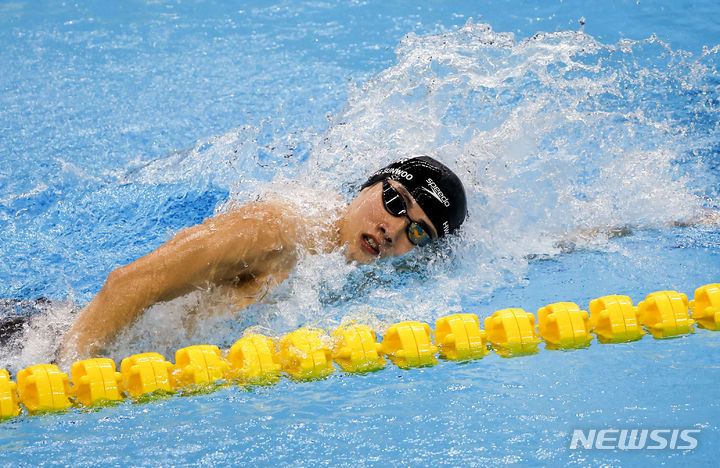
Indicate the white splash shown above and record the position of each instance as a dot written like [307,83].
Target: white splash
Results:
[561,141]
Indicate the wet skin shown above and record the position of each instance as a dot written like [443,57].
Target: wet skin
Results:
[245,251]
[366,218]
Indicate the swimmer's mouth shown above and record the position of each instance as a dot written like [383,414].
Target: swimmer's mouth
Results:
[370,244]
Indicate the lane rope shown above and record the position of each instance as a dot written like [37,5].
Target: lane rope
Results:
[310,354]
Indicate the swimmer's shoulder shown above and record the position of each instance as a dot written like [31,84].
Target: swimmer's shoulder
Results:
[300,215]
[287,202]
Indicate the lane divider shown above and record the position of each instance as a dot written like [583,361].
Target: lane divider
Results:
[253,359]
[564,325]
[9,407]
[305,354]
[614,319]
[43,387]
[356,349]
[706,306]
[459,337]
[408,344]
[96,380]
[196,365]
[665,313]
[308,354]
[512,332]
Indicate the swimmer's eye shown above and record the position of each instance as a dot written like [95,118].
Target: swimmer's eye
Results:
[396,204]
[418,235]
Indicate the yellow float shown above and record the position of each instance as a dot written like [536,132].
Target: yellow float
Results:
[308,354]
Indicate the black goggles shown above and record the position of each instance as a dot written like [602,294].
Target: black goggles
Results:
[418,232]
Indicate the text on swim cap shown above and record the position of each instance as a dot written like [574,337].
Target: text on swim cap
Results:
[437,193]
[396,172]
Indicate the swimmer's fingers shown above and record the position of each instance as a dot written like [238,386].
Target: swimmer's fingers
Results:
[707,217]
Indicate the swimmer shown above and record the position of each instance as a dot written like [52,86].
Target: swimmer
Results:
[249,249]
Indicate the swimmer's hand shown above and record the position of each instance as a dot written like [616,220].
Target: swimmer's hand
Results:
[707,217]
[252,241]
[585,236]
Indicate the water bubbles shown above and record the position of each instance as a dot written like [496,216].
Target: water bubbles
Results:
[556,138]
[562,142]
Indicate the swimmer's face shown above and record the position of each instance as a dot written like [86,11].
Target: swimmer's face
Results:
[371,232]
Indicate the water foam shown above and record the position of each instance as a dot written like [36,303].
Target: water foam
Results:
[562,143]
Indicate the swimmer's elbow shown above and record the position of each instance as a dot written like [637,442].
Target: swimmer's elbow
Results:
[116,276]
[125,279]
[118,279]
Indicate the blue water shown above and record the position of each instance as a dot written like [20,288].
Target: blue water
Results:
[122,123]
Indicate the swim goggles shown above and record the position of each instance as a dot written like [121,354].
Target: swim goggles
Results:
[418,232]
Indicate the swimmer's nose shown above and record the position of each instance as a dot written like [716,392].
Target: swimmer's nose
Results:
[385,236]
[390,232]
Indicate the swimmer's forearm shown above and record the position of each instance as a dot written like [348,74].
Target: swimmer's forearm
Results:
[218,250]
[129,290]
[158,276]
[125,294]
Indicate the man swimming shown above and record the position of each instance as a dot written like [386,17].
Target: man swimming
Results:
[246,250]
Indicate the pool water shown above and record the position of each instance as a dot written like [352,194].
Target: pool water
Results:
[586,136]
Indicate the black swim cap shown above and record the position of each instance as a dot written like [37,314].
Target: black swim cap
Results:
[434,187]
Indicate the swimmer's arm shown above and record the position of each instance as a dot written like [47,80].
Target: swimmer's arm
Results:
[257,239]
